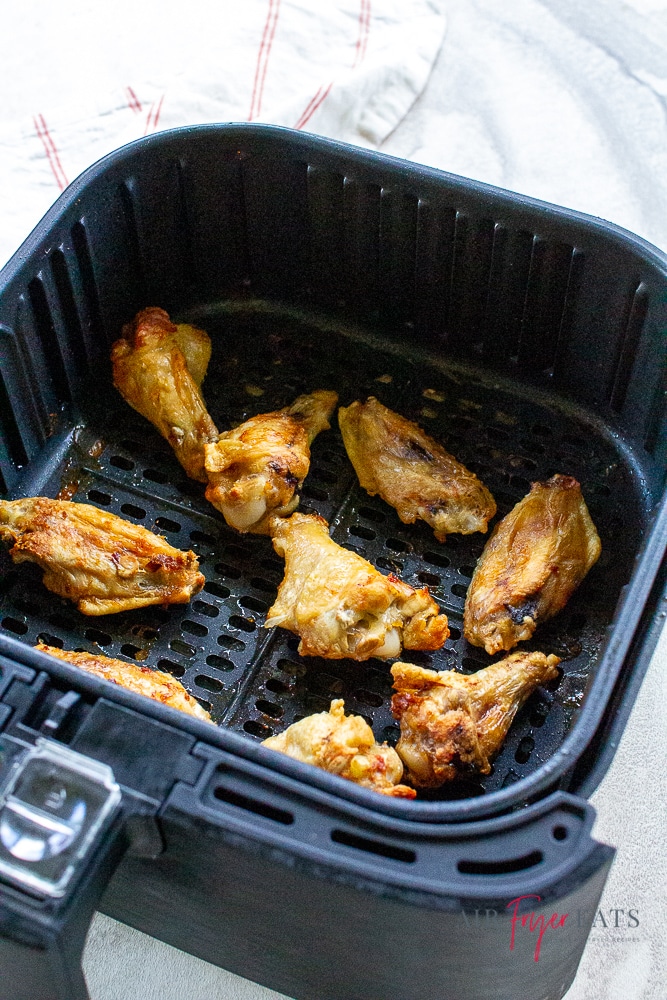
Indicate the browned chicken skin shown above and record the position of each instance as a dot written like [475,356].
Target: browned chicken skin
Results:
[257,469]
[453,723]
[158,368]
[96,559]
[344,745]
[394,458]
[152,683]
[340,605]
[531,565]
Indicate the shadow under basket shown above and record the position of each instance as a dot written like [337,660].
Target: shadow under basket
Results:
[530,340]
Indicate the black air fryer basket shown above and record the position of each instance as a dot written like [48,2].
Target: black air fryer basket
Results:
[530,340]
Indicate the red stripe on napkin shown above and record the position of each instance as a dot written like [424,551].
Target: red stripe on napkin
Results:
[263,59]
[51,151]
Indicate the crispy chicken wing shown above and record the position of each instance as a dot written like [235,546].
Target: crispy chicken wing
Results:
[531,565]
[256,470]
[158,368]
[453,723]
[98,560]
[340,605]
[413,473]
[344,745]
[152,683]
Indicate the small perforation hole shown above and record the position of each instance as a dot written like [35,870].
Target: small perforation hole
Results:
[166,524]
[15,626]
[291,668]
[96,635]
[253,604]
[155,476]
[277,686]
[467,571]
[560,833]
[436,559]
[121,462]
[260,584]
[184,648]
[269,708]
[219,662]
[133,511]
[459,590]
[204,608]
[430,579]
[231,643]
[369,698]
[135,652]
[177,669]
[524,749]
[211,587]
[255,728]
[50,640]
[359,531]
[202,536]
[96,496]
[392,565]
[236,621]
[209,683]
[454,633]
[397,545]
[224,569]
[194,628]
[371,515]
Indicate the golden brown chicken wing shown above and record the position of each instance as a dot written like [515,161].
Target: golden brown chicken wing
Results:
[257,469]
[152,683]
[531,565]
[158,368]
[453,723]
[98,560]
[344,745]
[413,473]
[340,605]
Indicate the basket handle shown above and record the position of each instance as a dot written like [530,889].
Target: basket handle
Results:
[62,833]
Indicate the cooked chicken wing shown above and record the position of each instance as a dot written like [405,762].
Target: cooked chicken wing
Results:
[340,605]
[413,473]
[531,565]
[98,560]
[158,368]
[344,745]
[453,723]
[152,683]
[257,469]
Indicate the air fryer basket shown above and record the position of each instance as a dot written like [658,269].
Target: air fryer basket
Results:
[528,339]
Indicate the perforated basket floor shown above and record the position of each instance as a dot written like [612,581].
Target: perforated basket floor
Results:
[252,679]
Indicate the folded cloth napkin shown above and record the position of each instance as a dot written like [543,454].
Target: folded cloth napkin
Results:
[80,81]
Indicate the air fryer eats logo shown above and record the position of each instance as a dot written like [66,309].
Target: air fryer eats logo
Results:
[534,923]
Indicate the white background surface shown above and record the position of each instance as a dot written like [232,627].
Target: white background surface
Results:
[565,100]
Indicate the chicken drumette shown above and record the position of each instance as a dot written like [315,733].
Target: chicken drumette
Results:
[256,470]
[158,367]
[98,560]
[531,565]
[451,723]
[344,745]
[394,458]
[152,683]
[340,605]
